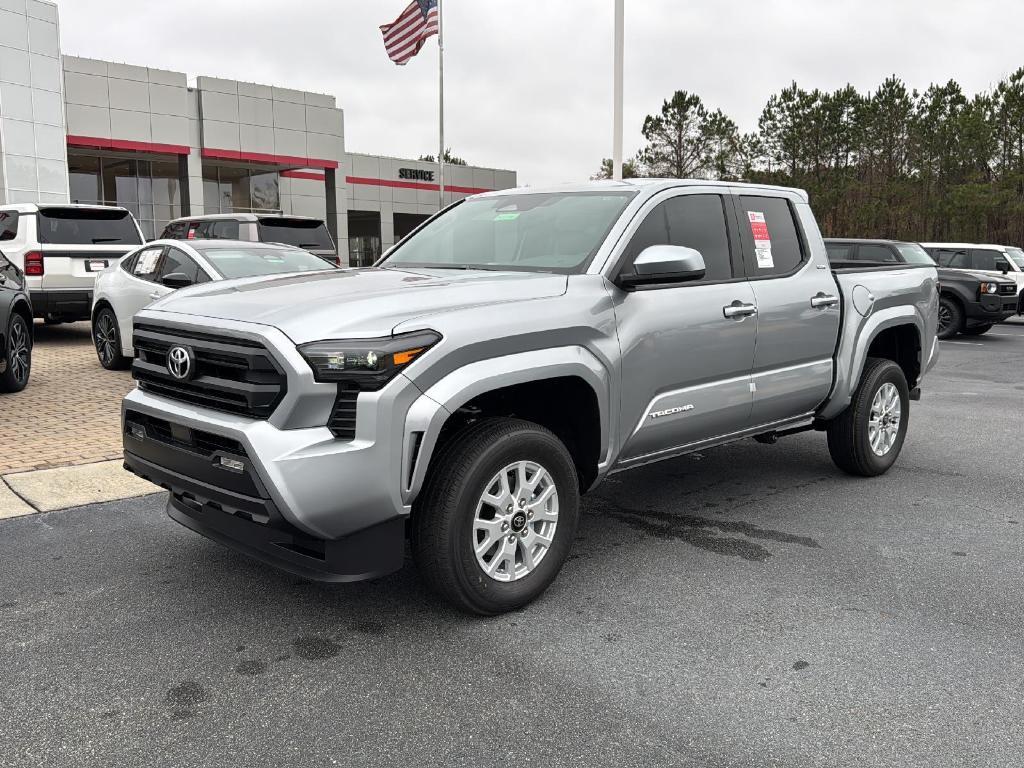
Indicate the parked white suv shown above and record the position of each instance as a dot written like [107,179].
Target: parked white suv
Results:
[300,231]
[61,249]
[991,259]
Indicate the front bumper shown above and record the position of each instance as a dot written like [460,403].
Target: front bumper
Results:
[304,501]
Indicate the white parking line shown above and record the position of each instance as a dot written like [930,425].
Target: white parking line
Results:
[968,343]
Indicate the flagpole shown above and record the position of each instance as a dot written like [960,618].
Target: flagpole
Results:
[440,92]
[617,94]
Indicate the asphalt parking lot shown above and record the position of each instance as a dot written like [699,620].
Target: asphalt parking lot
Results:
[749,606]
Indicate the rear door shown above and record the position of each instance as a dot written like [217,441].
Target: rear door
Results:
[798,307]
[685,362]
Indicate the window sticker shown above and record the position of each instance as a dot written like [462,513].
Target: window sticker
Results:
[146,265]
[506,216]
[762,240]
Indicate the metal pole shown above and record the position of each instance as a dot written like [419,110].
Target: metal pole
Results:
[440,90]
[617,95]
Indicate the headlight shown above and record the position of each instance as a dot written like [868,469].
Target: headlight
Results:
[367,363]
[990,287]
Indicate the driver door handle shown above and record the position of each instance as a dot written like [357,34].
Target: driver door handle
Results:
[739,310]
[822,300]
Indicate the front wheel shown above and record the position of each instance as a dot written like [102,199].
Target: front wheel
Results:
[107,339]
[977,330]
[951,318]
[17,363]
[497,517]
[866,438]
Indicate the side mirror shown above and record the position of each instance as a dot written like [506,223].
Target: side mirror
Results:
[664,265]
[177,280]
[1006,268]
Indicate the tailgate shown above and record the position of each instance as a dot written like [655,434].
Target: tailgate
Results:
[75,267]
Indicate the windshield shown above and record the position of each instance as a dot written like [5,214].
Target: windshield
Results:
[87,226]
[251,261]
[914,254]
[1016,255]
[543,232]
[303,233]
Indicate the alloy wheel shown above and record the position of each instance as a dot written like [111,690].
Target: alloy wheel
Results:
[945,317]
[884,421]
[20,351]
[515,521]
[106,339]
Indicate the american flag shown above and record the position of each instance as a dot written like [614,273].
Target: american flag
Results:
[404,37]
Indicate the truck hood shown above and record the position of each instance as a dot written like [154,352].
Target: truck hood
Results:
[980,276]
[357,302]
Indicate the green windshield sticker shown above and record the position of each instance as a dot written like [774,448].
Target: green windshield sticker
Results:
[506,216]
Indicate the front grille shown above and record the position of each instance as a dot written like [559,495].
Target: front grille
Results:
[1009,289]
[235,375]
[194,440]
[343,416]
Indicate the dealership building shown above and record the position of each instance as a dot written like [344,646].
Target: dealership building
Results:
[89,131]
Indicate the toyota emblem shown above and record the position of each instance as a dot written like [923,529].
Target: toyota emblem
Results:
[180,363]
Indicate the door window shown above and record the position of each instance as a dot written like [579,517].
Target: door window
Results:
[692,221]
[840,251]
[175,231]
[176,261]
[146,264]
[771,240]
[987,259]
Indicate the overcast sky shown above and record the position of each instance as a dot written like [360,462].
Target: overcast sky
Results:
[528,83]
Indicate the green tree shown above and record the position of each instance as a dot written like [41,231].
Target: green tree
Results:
[686,141]
[630,169]
[449,158]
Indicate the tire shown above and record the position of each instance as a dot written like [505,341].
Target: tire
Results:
[977,330]
[17,355]
[450,517]
[106,338]
[849,434]
[951,318]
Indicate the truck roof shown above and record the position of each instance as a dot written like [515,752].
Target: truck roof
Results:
[969,245]
[651,186]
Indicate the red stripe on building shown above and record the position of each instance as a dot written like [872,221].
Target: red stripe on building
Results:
[311,175]
[414,185]
[259,157]
[93,142]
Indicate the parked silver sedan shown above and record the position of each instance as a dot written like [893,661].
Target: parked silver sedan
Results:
[162,266]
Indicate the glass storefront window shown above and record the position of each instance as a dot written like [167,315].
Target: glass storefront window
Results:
[240,189]
[150,189]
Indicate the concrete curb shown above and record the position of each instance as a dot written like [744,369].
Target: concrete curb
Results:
[48,490]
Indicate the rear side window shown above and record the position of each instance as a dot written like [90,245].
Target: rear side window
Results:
[693,221]
[954,258]
[768,231]
[302,233]
[78,226]
[8,225]
[175,231]
[840,251]
[146,263]
[881,254]
[223,230]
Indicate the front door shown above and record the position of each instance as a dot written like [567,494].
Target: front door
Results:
[798,307]
[686,348]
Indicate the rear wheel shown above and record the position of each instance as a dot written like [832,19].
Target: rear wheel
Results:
[107,338]
[18,358]
[497,517]
[868,436]
[951,318]
[977,330]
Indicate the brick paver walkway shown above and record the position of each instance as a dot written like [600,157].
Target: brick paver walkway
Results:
[70,412]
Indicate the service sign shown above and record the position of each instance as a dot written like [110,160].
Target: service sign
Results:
[415,174]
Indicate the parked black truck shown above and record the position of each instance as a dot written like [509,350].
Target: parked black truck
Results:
[969,302]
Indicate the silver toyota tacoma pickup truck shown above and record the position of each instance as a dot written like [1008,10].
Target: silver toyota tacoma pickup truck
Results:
[500,361]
